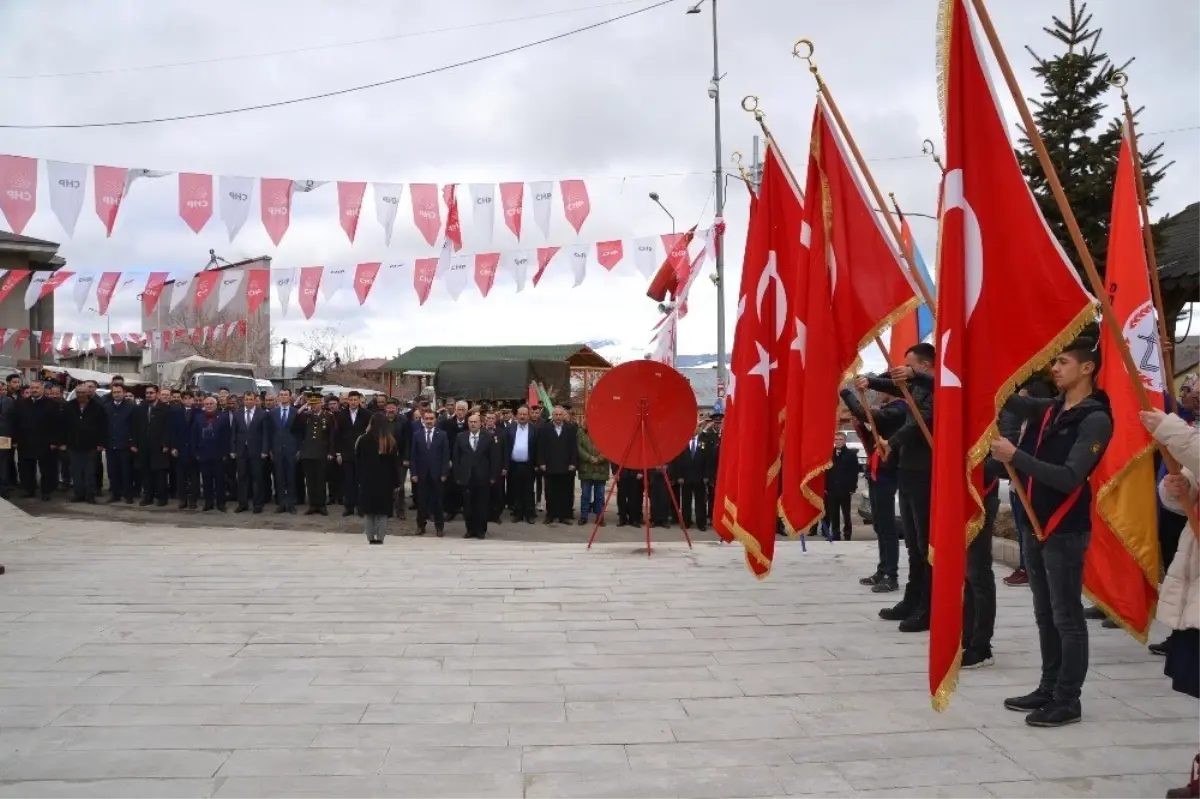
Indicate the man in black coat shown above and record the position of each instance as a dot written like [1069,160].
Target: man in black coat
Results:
[477,462]
[692,471]
[630,496]
[352,422]
[497,494]
[152,447]
[520,442]
[430,464]
[402,431]
[37,428]
[313,427]
[557,459]
[453,425]
[841,480]
[85,428]
[250,449]
[187,469]
[282,447]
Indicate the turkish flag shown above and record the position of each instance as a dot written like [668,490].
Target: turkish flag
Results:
[856,286]
[152,293]
[426,214]
[424,270]
[110,188]
[18,190]
[1120,572]
[350,197]
[748,488]
[258,286]
[306,296]
[1008,301]
[512,198]
[205,283]
[105,289]
[576,204]
[453,222]
[364,279]
[485,271]
[195,199]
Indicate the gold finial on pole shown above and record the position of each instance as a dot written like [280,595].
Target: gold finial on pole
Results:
[736,158]
[804,49]
[1119,79]
[930,149]
[750,106]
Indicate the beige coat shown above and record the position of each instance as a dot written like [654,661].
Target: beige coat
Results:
[1179,597]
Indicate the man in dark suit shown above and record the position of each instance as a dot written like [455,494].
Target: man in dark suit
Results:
[558,458]
[313,428]
[841,481]
[37,430]
[283,447]
[496,495]
[430,464]
[250,449]
[477,461]
[152,448]
[187,474]
[211,443]
[692,471]
[402,431]
[452,426]
[520,461]
[352,422]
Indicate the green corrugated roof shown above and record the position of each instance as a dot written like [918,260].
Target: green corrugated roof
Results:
[426,359]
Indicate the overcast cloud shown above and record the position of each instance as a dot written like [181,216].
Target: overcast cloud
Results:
[623,107]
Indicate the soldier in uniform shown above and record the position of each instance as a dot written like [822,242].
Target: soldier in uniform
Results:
[314,428]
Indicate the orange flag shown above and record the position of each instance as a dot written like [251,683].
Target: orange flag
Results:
[1003,279]
[855,286]
[1120,573]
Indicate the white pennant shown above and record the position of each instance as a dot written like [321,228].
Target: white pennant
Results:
[543,193]
[443,264]
[334,279]
[133,174]
[85,284]
[483,195]
[235,202]
[393,274]
[516,263]
[67,184]
[33,292]
[180,288]
[387,203]
[645,255]
[285,281]
[457,275]
[579,260]
[7,336]
[231,281]
[305,186]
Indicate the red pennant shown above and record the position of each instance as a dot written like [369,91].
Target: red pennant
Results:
[46,342]
[350,196]
[609,253]
[18,190]
[275,199]
[110,188]
[485,271]
[576,204]
[53,282]
[97,342]
[166,340]
[198,334]
[65,345]
[310,281]
[11,280]
[118,344]
[258,283]
[544,256]
[453,223]
[153,290]
[205,283]
[512,198]
[676,246]
[136,339]
[105,289]
[20,339]
[241,327]
[423,271]
[195,199]
[427,216]
[364,279]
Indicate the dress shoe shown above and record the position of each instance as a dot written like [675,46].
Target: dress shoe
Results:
[145,501]
[258,510]
[915,624]
[872,580]
[310,512]
[162,503]
[582,522]
[421,530]
[281,509]
[898,612]
[468,535]
[1055,714]
[1029,702]
[885,586]
[221,508]
[240,509]
[440,531]
[323,511]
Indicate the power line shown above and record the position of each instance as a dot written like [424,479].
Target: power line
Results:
[340,92]
[310,48]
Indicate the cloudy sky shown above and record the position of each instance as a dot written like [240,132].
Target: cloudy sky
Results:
[623,107]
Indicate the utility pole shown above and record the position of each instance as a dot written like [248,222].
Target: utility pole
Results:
[756,166]
[715,89]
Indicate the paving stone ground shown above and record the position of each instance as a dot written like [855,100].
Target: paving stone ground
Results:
[163,661]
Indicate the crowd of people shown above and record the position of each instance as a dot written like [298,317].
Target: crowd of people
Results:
[379,458]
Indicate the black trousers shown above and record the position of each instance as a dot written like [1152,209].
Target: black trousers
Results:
[187,479]
[82,474]
[560,496]
[349,471]
[212,479]
[154,484]
[838,505]
[496,500]
[630,494]
[64,468]
[914,512]
[693,501]
[429,502]
[301,481]
[520,484]
[979,593]
[452,496]
[333,483]
[661,511]
[45,467]
[250,487]
[8,469]
[476,503]
[314,480]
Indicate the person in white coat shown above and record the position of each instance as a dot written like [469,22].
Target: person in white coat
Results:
[1179,596]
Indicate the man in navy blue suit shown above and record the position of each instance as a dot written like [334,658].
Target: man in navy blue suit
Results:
[249,451]
[430,464]
[187,479]
[283,448]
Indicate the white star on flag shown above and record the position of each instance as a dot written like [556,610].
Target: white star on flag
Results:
[764,366]
[800,342]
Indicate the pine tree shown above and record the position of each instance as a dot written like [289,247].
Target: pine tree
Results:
[1069,117]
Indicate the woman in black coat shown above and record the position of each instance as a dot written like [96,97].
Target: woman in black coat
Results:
[378,466]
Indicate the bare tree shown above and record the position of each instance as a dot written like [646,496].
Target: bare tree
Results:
[255,347]
[333,352]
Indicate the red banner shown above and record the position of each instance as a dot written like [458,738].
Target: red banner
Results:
[512,199]
[544,256]
[609,253]
[364,279]
[576,204]
[205,283]
[310,281]
[275,198]
[20,339]
[258,284]
[11,279]
[427,216]
[110,188]
[153,291]
[105,289]
[46,341]
[676,247]
[350,197]
[485,271]
[195,199]
[423,271]
[453,223]
[18,190]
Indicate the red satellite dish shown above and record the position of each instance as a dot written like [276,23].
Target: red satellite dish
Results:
[641,414]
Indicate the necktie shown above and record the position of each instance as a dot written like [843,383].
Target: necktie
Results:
[474,440]
[693,446]
[428,438]
[247,417]
[285,410]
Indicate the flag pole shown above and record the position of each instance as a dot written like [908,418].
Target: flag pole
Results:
[908,397]
[750,106]
[1120,79]
[736,158]
[930,149]
[1085,257]
[823,90]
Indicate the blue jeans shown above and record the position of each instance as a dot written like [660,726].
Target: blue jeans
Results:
[882,492]
[1020,522]
[1055,569]
[591,498]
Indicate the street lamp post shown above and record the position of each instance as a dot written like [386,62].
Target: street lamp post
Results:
[283,365]
[658,202]
[714,91]
[663,307]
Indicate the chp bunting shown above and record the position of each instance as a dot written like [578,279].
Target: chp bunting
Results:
[427,216]
[43,283]
[512,198]
[483,197]
[364,279]
[275,200]
[485,271]
[67,183]
[106,287]
[195,199]
[309,284]
[1120,571]
[18,190]
[387,203]
[576,204]
[235,202]
[542,192]
[110,188]
[350,197]
[153,291]
[1002,278]
[453,223]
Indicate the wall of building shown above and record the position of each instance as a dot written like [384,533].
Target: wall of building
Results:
[14,315]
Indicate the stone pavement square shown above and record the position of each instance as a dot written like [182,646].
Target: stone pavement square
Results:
[161,661]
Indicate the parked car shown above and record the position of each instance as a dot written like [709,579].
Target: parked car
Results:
[855,443]
[863,503]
